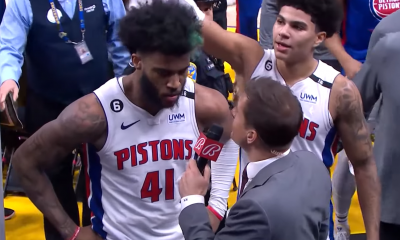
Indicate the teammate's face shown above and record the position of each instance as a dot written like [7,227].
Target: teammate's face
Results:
[163,78]
[241,134]
[295,35]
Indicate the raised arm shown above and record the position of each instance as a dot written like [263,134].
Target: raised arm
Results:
[82,121]
[353,130]
[212,108]
[241,52]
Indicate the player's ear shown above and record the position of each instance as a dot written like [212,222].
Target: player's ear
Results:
[137,61]
[321,36]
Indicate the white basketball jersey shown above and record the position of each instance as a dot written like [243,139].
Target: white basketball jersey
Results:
[134,177]
[317,133]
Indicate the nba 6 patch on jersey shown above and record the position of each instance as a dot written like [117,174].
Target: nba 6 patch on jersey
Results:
[192,71]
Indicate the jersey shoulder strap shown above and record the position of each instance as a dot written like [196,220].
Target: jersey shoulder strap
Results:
[188,90]
[324,75]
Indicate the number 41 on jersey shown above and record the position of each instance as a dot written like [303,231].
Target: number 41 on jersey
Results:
[151,186]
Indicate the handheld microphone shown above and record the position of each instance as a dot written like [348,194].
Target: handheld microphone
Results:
[208,147]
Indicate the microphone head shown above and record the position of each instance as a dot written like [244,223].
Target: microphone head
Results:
[214,132]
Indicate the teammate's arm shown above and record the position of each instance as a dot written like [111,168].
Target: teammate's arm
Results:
[354,133]
[82,121]
[212,108]
[334,45]
[241,52]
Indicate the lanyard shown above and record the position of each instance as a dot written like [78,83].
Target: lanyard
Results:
[62,34]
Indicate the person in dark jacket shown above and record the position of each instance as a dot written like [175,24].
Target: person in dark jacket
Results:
[207,70]
[219,13]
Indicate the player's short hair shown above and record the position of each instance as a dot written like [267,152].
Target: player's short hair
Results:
[325,14]
[162,26]
[273,111]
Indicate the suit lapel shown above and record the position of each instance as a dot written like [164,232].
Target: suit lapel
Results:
[267,172]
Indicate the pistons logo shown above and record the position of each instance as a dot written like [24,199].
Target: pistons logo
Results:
[383,8]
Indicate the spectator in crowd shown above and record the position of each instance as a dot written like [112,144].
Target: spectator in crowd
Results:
[219,13]
[67,45]
[246,17]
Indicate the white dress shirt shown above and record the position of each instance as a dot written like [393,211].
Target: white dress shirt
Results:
[253,168]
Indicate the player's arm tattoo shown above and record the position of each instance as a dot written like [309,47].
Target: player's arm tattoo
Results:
[80,122]
[355,135]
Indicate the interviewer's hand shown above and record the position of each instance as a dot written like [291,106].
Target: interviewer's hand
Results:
[192,182]
[86,233]
[8,86]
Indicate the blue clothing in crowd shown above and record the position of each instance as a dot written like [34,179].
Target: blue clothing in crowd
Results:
[17,23]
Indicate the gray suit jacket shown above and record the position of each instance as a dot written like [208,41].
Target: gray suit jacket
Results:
[286,200]
[379,77]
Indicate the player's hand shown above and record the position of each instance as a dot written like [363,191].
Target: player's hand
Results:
[8,86]
[192,182]
[351,67]
[86,233]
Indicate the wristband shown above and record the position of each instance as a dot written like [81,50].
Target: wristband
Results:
[75,235]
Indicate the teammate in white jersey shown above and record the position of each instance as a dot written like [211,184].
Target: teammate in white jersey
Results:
[140,130]
[331,103]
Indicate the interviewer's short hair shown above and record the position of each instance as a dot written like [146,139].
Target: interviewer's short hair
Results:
[273,111]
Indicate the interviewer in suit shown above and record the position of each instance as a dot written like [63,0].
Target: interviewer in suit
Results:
[287,193]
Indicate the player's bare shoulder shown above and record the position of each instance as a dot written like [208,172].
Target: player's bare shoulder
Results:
[85,120]
[212,108]
[345,98]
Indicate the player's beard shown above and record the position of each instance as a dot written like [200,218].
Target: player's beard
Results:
[151,92]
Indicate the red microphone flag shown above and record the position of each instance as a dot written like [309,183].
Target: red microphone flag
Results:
[208,148]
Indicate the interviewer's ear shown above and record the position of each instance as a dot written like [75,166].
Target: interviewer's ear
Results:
[251,136]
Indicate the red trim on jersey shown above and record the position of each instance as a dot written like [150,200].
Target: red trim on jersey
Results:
[334,146]
[237,17]
[215,213]
[85,162]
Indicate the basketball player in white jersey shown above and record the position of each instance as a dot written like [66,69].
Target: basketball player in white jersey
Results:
[331,103]
[141,131]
